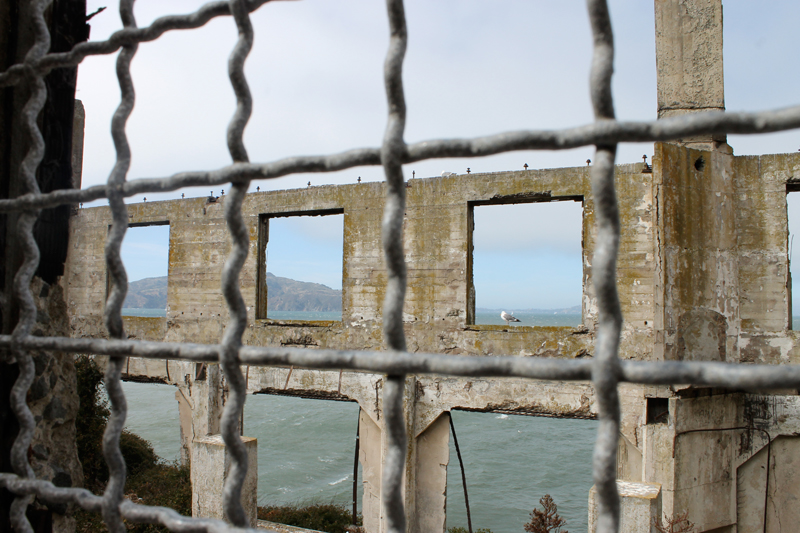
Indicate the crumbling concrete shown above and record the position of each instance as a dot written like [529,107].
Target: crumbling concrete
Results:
[640,507]
[211,464]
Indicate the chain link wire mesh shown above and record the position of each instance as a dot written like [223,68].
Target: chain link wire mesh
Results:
[605,371]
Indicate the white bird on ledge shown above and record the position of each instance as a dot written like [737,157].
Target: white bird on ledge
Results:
[509,318]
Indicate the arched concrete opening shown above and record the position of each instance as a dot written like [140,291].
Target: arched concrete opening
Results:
[511,461]
[305,448]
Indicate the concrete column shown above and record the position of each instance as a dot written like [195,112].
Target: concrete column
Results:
[427,456]
[640,505]
[373,448]
[433,456]
[200,402]
[210,466]
[689,61]
[369,455]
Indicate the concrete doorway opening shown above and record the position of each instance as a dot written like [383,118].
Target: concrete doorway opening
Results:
[305,449]
[153,415]
[511,461]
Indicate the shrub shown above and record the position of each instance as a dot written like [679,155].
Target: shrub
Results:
[459,529]
[546,520]
[328,517]
[676,524]
[90,422]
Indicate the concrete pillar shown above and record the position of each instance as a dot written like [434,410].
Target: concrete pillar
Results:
[200,401]
[210,466]
[369,455]
[689,61]
[640,505]
[433,456]
[427,456]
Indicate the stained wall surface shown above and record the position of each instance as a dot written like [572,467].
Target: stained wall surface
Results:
[702,275]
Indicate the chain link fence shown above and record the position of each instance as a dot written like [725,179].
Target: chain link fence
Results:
[605,370]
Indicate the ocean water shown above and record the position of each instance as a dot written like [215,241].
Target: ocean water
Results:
[529,319]
[304,315]
[306,452]
[482,318]
[133,311]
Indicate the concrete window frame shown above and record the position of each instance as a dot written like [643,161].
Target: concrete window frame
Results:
[529,198]
[261,271]
[141,225]
[791,187]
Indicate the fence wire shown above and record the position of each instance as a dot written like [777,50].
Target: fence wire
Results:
[606,370]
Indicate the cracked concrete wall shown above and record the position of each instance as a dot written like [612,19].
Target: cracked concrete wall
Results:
[702,275]
[437,247]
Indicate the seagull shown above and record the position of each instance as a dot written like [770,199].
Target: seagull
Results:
[509,318]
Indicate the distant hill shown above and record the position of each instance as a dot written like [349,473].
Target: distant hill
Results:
[575,310]
[284,294]
[148,293]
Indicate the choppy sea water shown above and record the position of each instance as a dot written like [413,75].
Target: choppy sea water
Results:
[481,318]
[306,452]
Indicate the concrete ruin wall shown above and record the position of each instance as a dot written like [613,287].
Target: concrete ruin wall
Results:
[702,275]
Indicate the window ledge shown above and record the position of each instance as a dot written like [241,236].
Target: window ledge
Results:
[263,322]
[572,330]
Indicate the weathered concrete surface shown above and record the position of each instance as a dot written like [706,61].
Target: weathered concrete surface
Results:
[689,60]
[371,459]
[210,467]
[778,480]
[437,307]
[433,456]
[640,506]
[702,275]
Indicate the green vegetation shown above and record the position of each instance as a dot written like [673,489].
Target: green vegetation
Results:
[149,482]
[464,530]
[328,517]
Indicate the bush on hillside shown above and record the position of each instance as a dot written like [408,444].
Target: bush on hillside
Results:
[328,517]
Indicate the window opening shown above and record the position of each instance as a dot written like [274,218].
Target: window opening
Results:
[511,461]
[163,432]
[527,260]
[300,266]
[295,465]
[793,275]
[657,410]
[145,252]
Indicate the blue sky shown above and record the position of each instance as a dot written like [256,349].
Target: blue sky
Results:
[473,67]
[307,249]
[145,252]
[519,262]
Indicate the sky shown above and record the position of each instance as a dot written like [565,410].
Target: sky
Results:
[473,67]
